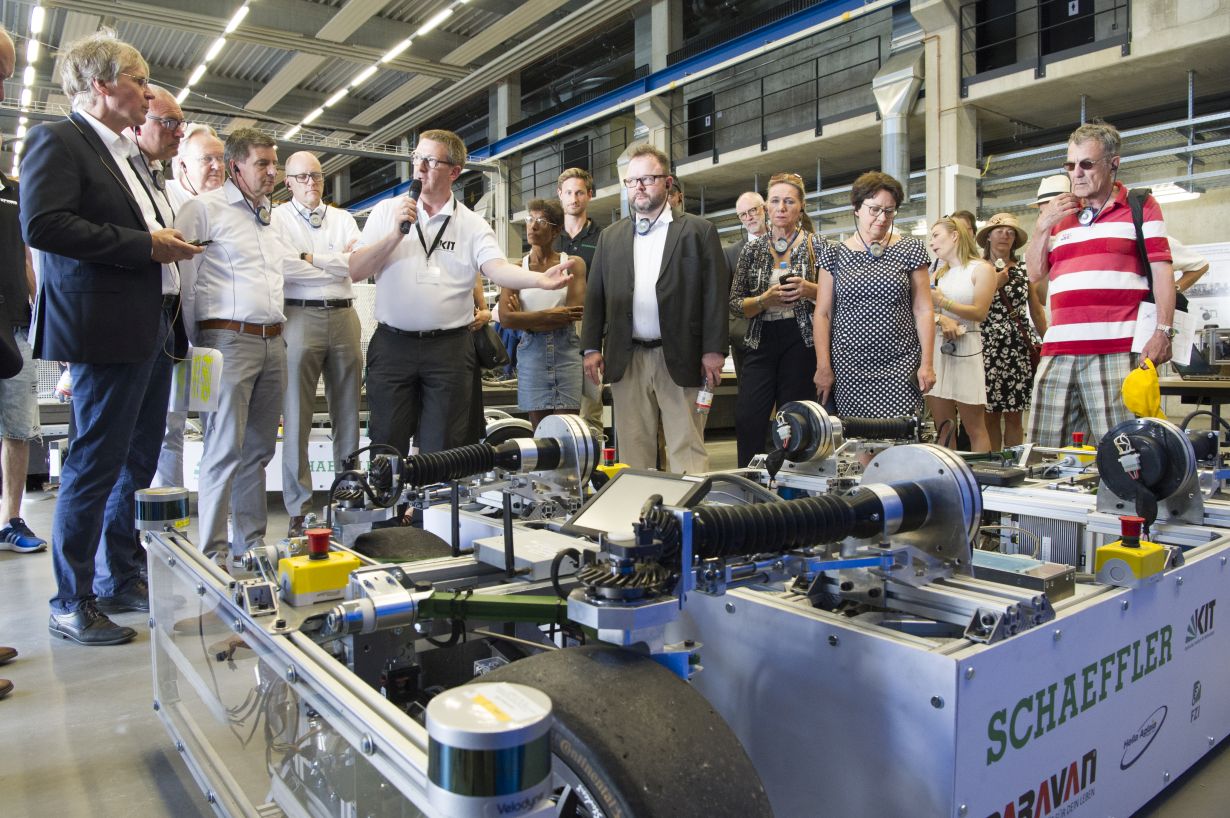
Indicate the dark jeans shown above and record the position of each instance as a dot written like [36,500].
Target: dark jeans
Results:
[780,370]
[421,388]
[119,411]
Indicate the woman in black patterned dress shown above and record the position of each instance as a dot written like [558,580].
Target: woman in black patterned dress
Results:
[873,306]
[1006,333]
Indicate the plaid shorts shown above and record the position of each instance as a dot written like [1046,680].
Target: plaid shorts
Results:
[1078,393]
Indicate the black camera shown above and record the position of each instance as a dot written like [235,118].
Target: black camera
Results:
[782,278]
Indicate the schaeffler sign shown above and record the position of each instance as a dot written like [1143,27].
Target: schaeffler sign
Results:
[1034,715]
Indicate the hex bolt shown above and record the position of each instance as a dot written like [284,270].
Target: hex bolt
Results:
[292,675]
[179,746]
[1212,741]
[1124,605]
[157,705]
[171,561]
[1223,562]
[237,626]
[367,745]
[279,624]
[969,673]
[1057,635]
[1166,777]
[210,798]
[200,589]
[150,622]
[833,640]
[1178,580]
[963,810]
[937,702]
[730,607]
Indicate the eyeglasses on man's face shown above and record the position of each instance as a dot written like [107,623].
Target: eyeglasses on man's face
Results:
[304,178]
[432,162]
[751,213]
[1084,164]
[169,122]
[648,180]
[142,82]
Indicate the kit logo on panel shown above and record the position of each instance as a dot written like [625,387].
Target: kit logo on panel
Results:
[1200,626]
[1135,745]
[1057,795]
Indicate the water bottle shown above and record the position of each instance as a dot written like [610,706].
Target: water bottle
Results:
[704,400]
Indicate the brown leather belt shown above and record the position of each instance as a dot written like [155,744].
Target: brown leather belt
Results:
[261,330]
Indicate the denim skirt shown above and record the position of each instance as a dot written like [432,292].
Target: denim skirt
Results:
[549,370]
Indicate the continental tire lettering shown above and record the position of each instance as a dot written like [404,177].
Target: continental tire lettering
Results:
[595,783]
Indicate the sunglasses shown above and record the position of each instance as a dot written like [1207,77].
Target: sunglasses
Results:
[1084,164]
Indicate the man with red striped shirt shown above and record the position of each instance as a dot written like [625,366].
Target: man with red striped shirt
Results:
[1084,250]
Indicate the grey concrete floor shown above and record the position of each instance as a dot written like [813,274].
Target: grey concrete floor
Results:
[80,737]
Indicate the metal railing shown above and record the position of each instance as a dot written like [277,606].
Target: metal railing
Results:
[536,178]
[581,97]
[740,26]
[1037,33]
[754,110]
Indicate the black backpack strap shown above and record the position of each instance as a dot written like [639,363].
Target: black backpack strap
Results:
[1136,201]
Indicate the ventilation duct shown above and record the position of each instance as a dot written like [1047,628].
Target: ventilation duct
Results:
[896,87]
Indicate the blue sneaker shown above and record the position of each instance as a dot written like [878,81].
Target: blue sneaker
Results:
[17,536]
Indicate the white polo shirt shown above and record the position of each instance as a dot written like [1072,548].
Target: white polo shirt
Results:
[240,275]
[326,243]
[418,295]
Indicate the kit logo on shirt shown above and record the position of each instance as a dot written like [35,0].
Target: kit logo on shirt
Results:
[448,245]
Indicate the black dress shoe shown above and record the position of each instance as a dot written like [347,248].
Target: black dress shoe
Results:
[6,687]
[7,654]
[133,598]
[86,626]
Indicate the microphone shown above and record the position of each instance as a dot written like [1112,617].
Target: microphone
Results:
[416,187]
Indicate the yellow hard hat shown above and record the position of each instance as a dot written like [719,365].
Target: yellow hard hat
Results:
[1141,393]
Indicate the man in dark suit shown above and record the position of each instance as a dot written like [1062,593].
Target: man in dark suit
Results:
[655,319]
[749,207]
[107,304]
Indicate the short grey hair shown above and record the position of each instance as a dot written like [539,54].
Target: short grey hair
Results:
[1098,131]
[98,56]
[196,129]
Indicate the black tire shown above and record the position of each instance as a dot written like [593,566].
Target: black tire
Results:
[401,544]
[640,740]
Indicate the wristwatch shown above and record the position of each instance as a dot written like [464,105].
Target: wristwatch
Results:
[1167,330]
[303,256]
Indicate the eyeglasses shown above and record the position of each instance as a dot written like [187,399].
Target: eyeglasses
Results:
[208,159]
[432,162]
[142,82]
[530,221]
[304,178]
[1085,164]
[168,122]
[648,180]
[753,211]
[875,211]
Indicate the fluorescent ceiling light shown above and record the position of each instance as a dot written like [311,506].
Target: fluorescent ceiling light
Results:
[312,117]
[363,76]
[1168,192]
[197,74]
[27,76]
[37,15]
[292,132]
[27,96]
[436,19]
[23,120]
[17,147]
[182,95]
[396,50]
[336,98]
[237,19]
[32,51]
[215,48]
[21,131]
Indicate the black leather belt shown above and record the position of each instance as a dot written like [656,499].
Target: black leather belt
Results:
[428,333]
[328,303]
[652,343]
[169,301]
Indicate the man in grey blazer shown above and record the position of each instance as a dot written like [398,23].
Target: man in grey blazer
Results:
[655,319]
[749,207]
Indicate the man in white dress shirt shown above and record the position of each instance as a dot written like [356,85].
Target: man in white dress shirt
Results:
[232,297]
[322,331]
[420,360]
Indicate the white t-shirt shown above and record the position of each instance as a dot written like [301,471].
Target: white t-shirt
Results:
[416,294]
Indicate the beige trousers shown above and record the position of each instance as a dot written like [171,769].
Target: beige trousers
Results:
[645,393]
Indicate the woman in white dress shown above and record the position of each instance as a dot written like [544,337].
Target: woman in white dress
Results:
[961,294]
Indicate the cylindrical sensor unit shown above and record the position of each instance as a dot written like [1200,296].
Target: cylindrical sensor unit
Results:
[163,508]
[489,751]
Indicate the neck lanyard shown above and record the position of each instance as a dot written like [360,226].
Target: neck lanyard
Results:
[435,242]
